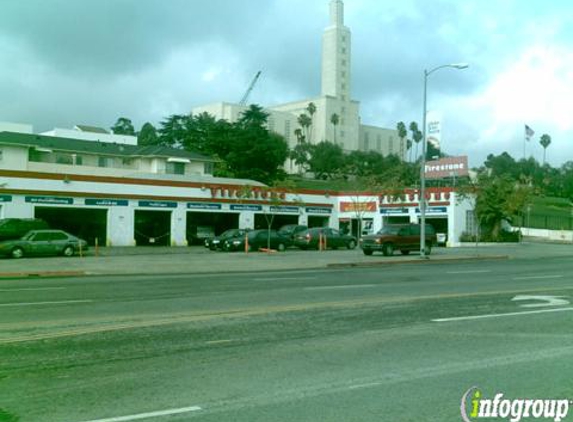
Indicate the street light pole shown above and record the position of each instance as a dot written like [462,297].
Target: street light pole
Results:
[422,196]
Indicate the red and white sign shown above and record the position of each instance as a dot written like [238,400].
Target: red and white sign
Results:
[447,167]
[358,206]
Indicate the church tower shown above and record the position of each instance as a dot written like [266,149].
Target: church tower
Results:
[336,55]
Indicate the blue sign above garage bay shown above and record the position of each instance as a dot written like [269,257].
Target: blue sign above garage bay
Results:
[243,207]
[203,206]
[107,202]
[55,200]
[158,204]
[318,210]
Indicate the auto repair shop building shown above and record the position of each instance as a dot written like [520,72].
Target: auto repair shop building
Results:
[98,186]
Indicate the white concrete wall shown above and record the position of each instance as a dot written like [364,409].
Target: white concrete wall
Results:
[384,141]
[13,158]
[92,136]
[558,235]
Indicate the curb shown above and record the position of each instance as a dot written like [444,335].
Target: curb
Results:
[418,261]
[43,274]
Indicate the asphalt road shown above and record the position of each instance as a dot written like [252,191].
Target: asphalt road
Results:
[399,343]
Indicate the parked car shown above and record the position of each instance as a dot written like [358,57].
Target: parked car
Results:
[291,230]
[198,234]
[43,242]
[217,242]
[258,239]
[310,239]
[402,237]
[15,228]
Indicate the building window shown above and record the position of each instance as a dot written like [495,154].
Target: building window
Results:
[342,134]
[64,159]
[391,145]
[78,160]
[343,62]
[287,130]
[271,124]
[366,141]
[175,168]
[471,226]
[379,143]
[38,156]
[208,168]
[104,162]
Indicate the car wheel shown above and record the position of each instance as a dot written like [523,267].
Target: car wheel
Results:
[68,251]
[351,244]
[388,249]
[281,247]
[17,253]
[405,252]
[367,252]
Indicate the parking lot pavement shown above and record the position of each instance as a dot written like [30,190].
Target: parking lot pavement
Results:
[197,259]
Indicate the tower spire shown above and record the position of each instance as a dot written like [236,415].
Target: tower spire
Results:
[336,55]
[336,13]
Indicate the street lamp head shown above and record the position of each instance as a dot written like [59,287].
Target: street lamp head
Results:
[460,65]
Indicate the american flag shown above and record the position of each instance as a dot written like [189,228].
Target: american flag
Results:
[528,133]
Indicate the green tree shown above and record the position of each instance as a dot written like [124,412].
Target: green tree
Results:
[311,110]
[304,121]
[335,120]
[545,141]
[147,135]
[327,160]
[409,149]
[402,132]
[416,135]
[173,130]
[123,126]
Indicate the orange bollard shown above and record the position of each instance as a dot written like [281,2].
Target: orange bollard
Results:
[246,243]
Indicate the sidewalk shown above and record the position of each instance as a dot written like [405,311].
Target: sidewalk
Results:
[197,259]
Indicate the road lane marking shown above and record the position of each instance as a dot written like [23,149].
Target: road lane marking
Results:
[32,289]
[348,286]
[367,385]
[469,272]
[537,277]
[60,302]
[148,415]
[215,342]
[284,278]
[474,317]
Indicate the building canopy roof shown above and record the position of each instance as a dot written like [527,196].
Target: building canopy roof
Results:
[97,147]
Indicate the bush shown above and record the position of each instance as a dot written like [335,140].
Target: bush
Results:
[503,236]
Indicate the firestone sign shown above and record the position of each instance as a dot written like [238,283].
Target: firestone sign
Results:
[447,167]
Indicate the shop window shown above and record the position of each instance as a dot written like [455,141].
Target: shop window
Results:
[208,168]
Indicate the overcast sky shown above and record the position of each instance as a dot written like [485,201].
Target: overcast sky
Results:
[67,62]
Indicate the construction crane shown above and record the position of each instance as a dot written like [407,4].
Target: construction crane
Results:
[251,86]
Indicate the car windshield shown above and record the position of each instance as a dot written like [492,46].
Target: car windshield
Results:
[389,230]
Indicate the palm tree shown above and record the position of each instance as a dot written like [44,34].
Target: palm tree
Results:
[402,132]
[299,135]
[304,121]
[545,141]
[311,109]
[334,119]
[416,135]
[409,149]
[255,115]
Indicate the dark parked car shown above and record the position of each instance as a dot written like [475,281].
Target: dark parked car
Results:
[310,239]
[291,230]
[15,228]
[258,239]
[43,242]
[402,237]
[217,242]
